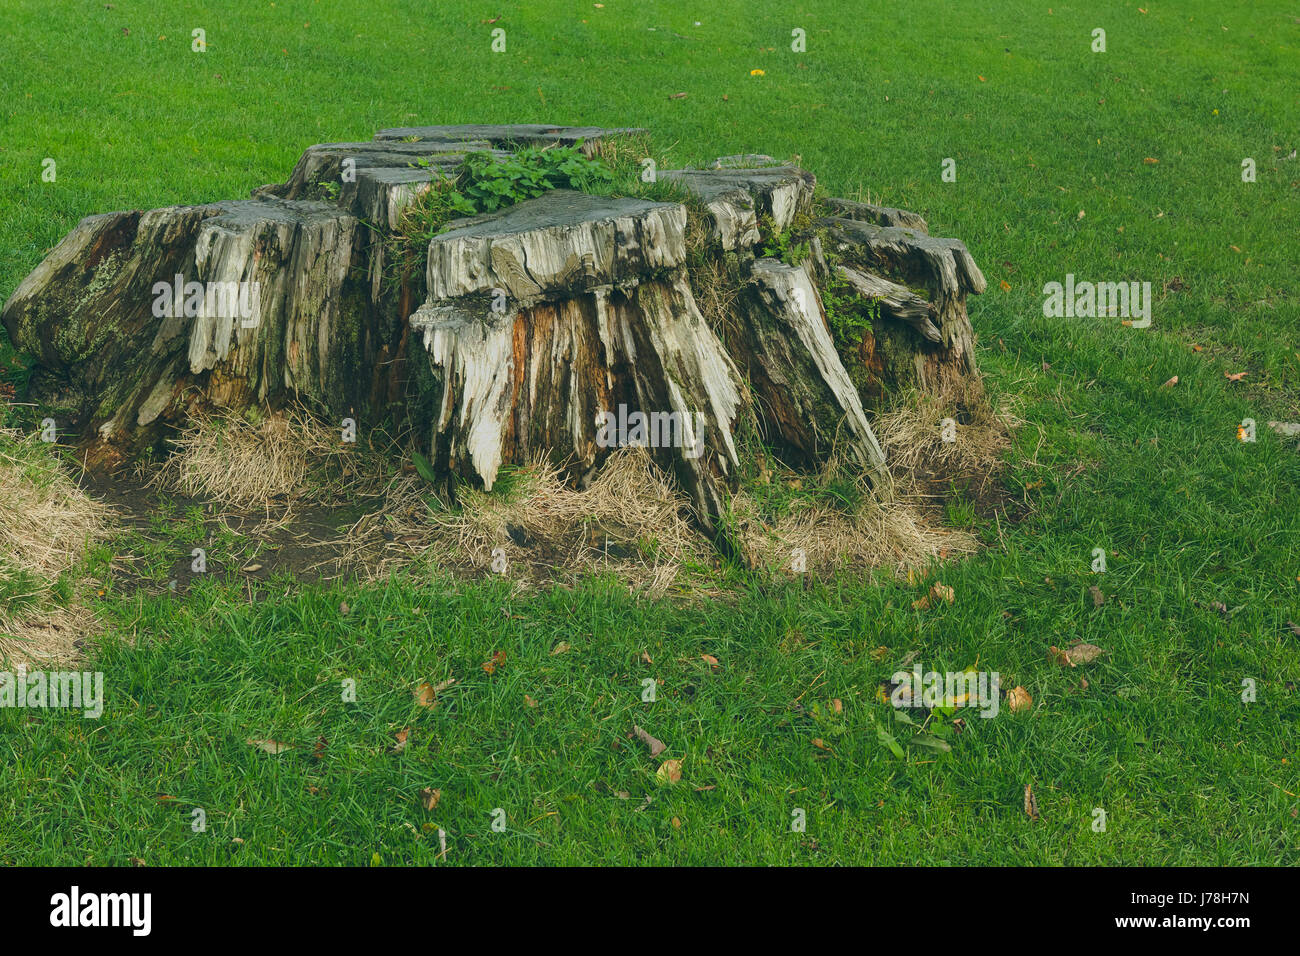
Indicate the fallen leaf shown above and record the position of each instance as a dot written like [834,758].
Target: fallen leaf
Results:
[1098,598]
[270,746]
[1031,805]
[1018,699]
[426,694]
[820,744]
[344,609]
[498,660]
[560,648]
[645,658]
[670,771]
[401,738]
[529,702]
[837,706]
[710,660]
[677,96]
[252,568]
[938,592]
[1005,285]
[1082,653]
[656,746]
[430,797]
[1171,382]
[1235,376]
[1150,160]
[677,824]
[318,752]
[1295,628]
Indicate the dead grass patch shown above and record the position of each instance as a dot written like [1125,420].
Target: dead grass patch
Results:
[631,521]
[915,451]
[264,466]
[46,524]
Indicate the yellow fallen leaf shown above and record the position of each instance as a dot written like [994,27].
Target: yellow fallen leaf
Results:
[1018,699]
[670,771]
[270,746]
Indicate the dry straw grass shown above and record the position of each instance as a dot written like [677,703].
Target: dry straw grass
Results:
[912,436]
[631,521]
[46,524]
[264,466]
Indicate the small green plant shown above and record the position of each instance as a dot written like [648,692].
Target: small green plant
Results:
[490,182]
[849,315]
[487,183]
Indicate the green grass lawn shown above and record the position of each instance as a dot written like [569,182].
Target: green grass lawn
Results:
[1054,148]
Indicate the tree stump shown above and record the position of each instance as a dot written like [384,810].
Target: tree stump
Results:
[562,326]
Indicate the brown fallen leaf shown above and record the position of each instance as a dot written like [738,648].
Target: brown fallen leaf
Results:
[1098,598]
[678,96]
[1031,804]
[400,739]
[645,658]
[318,752]
[1235,376]
[529,702]
[1150,160]
[426,694]
[710,660]
[677,824]
[656,746]
[270,746]
[430,797]
[1295,628]
[837,706]
[344,609]
[252,568]
[1004,285]
[1171,382]
[560,648]
[1082,653]
[670,771]
[1018,699]
[498,661]
[938,592]
[820,744]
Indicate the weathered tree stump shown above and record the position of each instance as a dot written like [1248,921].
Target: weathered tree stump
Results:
[562,326]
